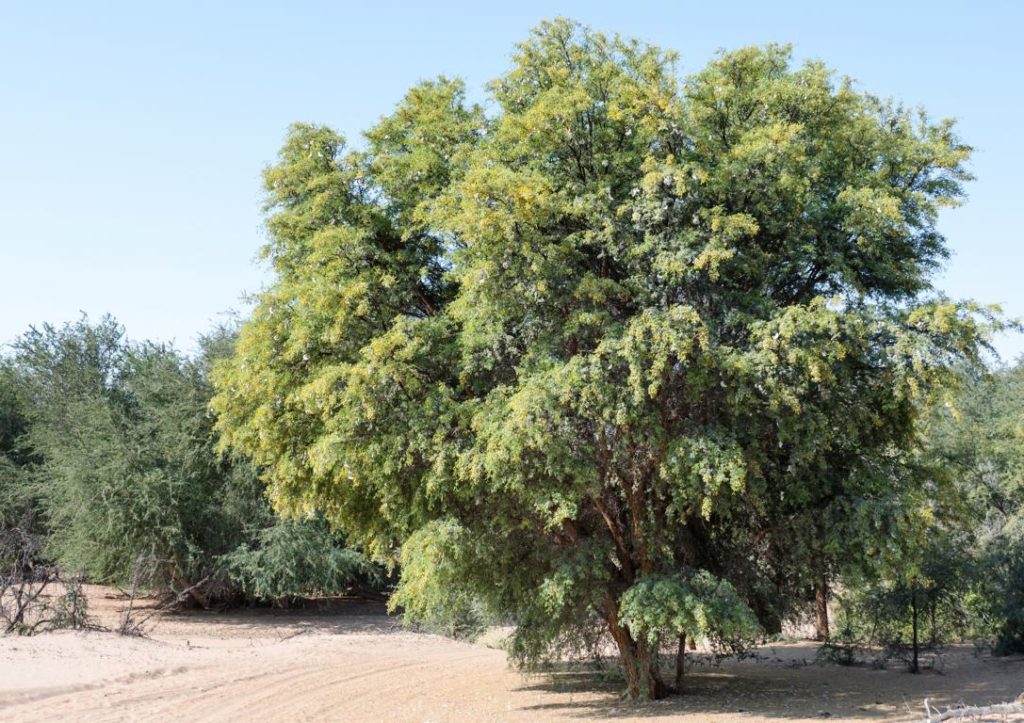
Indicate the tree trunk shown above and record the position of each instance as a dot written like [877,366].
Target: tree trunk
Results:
[643,679]
[680,663]
[935,627]
[821,631]
[913,608]
[639,660]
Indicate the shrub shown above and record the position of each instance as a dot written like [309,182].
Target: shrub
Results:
[298,558]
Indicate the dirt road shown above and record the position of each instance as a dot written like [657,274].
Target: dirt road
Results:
[359,665]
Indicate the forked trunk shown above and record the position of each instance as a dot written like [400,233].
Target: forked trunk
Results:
[643,679]
[639,663]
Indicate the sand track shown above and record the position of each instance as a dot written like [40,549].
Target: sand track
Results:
[358,665]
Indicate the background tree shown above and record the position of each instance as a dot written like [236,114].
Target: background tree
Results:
[128,481]
[603,350]
[21,527]
[981,439]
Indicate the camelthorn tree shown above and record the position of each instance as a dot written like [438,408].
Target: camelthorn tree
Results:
[591,357]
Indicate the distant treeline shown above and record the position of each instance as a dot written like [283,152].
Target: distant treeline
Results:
[109,467]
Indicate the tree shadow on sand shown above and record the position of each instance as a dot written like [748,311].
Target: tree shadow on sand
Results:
[783,688]
[332,616]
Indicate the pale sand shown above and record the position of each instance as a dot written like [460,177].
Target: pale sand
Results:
[359,665]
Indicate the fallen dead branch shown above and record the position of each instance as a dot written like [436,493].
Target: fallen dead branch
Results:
[975,713]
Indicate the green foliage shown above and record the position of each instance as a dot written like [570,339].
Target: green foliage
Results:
[966,579]
[942,591]
[21,528]
[982,441]
[941,594]
[697,605]
[431,593]
[838,651]
[297,558]
[627,326]
[123,468]
[128,458]
[1004,595]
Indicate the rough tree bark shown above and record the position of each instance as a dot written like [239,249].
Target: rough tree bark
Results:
[639,660]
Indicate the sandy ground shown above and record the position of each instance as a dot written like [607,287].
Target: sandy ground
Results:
[357,664]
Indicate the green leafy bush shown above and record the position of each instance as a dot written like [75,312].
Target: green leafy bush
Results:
[698,605]
[921,606]
[298,558]
[1003,595]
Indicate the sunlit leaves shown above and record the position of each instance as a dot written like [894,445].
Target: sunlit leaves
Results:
[627,321]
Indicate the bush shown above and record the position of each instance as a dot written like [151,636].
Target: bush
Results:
[70,610]
[21,529]
[25,608]
[298,558]
[697,605]
[928,606]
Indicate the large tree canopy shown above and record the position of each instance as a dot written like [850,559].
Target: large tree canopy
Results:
[600,354]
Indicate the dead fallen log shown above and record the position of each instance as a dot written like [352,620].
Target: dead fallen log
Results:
[981,713]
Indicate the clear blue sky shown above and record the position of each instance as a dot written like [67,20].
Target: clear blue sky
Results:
[132,135]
